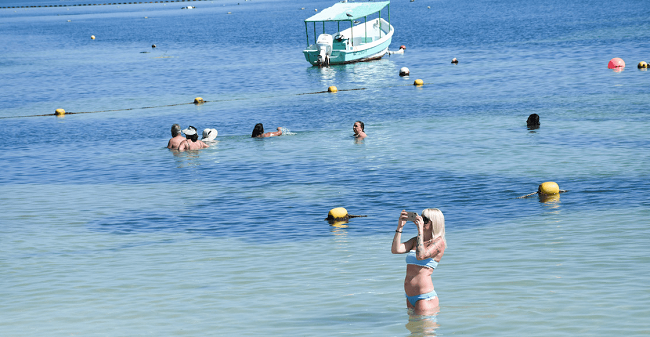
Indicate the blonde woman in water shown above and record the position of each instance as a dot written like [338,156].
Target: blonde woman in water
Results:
[423,253]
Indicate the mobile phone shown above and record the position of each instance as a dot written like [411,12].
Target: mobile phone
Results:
[411,216]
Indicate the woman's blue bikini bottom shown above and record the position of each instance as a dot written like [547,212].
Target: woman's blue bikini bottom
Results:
[416,298]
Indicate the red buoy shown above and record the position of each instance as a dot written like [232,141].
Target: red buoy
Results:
[616,63]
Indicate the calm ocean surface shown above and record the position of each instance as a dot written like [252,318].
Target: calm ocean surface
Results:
[105,232]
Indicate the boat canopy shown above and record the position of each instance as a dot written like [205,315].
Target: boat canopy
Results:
[346,11]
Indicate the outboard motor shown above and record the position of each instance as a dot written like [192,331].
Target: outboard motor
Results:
[324,44]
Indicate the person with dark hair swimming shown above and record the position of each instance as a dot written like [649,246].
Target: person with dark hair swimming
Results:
[177,137]
[192,142]
[258,132]
[358,130]
[423,253]
[533,121]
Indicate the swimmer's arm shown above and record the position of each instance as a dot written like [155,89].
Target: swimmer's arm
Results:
[169,144]
[399,247]
[275,133]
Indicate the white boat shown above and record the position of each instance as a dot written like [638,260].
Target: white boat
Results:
[367,40]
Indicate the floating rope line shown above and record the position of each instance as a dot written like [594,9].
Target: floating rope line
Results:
[202,102]
[106,4]
[541,194]
[545,189]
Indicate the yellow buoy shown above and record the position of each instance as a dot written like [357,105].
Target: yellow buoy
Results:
[418,82]
[642,64]
[332,89]
[92,37]
[337,213]
[59,112]
[548,188]
[198,100]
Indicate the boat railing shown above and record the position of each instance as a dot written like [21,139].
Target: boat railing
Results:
[360,35]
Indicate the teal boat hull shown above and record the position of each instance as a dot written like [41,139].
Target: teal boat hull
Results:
[350,56]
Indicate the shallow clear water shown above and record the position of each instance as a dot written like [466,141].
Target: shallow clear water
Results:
[106,232]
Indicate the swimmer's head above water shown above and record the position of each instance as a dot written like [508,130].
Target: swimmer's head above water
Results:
[176,130]
[358,130]
[258,130]
[533,121]
[190,133]
[209,134]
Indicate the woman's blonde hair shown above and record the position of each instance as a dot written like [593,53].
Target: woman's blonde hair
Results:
[437,223]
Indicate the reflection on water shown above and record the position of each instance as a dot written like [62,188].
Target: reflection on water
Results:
[339,231]
[422,325]
[186,158]
[327,73]
[553,199]
[339,224]
[550,201]
[367,74]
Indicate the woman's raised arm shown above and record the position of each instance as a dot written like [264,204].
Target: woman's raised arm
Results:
[398,246]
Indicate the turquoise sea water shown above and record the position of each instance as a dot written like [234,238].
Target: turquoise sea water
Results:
[103,231]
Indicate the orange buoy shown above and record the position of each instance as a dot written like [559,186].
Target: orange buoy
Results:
[616,63]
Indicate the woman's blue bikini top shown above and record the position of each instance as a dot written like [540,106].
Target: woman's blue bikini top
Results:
[429,263]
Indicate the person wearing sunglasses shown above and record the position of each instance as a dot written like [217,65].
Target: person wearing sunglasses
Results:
[423,253]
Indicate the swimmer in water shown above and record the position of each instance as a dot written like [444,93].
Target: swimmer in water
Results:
[358,130]
[533,122]
[192,142]
[209,135]
[258,132]
[423,253]
[177,138]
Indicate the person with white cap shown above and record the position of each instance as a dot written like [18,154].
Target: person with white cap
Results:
[192,142]
[177,138]
[209,135]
